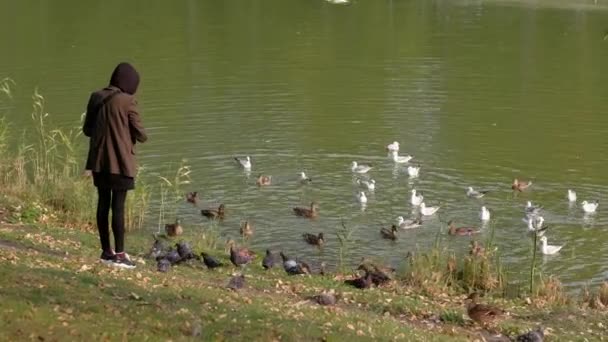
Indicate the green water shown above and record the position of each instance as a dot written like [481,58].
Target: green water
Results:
[479,92]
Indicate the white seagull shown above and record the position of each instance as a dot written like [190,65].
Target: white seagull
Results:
[413,171]
[535,225]
[485,214]
[532,210]
[244,162]
[427,211]
[400,159]
[361,197]
[369,184]
[416,199]
[476,194]
[571,196]
[360,168]
[393,147]
[548,249]
[304,179]
[590,207]
[409,223]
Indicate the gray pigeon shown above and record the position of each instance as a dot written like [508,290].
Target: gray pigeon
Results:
[536,335]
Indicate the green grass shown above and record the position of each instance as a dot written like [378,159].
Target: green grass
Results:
[69,293]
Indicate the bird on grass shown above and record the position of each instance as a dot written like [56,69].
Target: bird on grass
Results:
[174,229]
[210,261]
[482,314]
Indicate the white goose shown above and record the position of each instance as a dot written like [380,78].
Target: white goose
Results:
[416,199]
[245,162]
[485,214]
[369,184]
[476,194]
[413,171]
[427,211]
[362,197]
[409,223]
[393,147]
[590,207]
[355,167]
[400,159]
[548,249]
[571,196]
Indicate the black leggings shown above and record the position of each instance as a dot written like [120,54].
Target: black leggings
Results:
[117,199]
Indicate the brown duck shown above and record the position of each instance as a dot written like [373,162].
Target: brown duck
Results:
[192,197]
[264,180]
[364,282]
[214,214]
[519,185]
[315,240]
[481,313]
[246,230]
[312,212]
[240,255]
[462,231]
[174,229]
[390,234]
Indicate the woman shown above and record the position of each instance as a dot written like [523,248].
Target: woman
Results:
[113,124]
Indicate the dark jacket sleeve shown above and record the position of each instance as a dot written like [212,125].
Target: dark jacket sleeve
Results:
[138,132]
[90,116]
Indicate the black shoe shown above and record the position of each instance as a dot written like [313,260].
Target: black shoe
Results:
[122,260]
[107,258]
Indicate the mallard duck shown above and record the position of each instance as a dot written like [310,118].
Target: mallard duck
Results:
[245,162]
[304,179]
[210,261]
[379,275]
[519,185]
[236,282]
[316,240]
[185,251]
[311,212]
[393,147]
[481,313]
[240,255]
[246,230]
[571,196]
[364,282]
[409,223]
[476,249]
[463,231]
[163,265]
[590,207]
[264,180]
[390,234]
[475,193]
[214,214]
[536,335]
[174,229]
[360,168]
[192,197]
[428,211]
[268,261]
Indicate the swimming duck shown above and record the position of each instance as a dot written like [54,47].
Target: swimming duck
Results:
[361,197]
[185,251]
[481,313]
[163,265]
[316,240]
[427,211]
[246,230]
[236,282]
[400,159]
[210,261]
[484,214]
[462,231]
[536,335]
[268,261]
[240,255]
[393,147]
[364,282]
[174,229]
[192,197]
[214,214]
[413,171]
[590,207]
[369,184]
[304,179]
[571,196]
[390,234]
[245,162]
[311,212]
[476,194]
[519,185]
[548,249]
[264,180]
[409,223]
[355,167]
[416,199]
